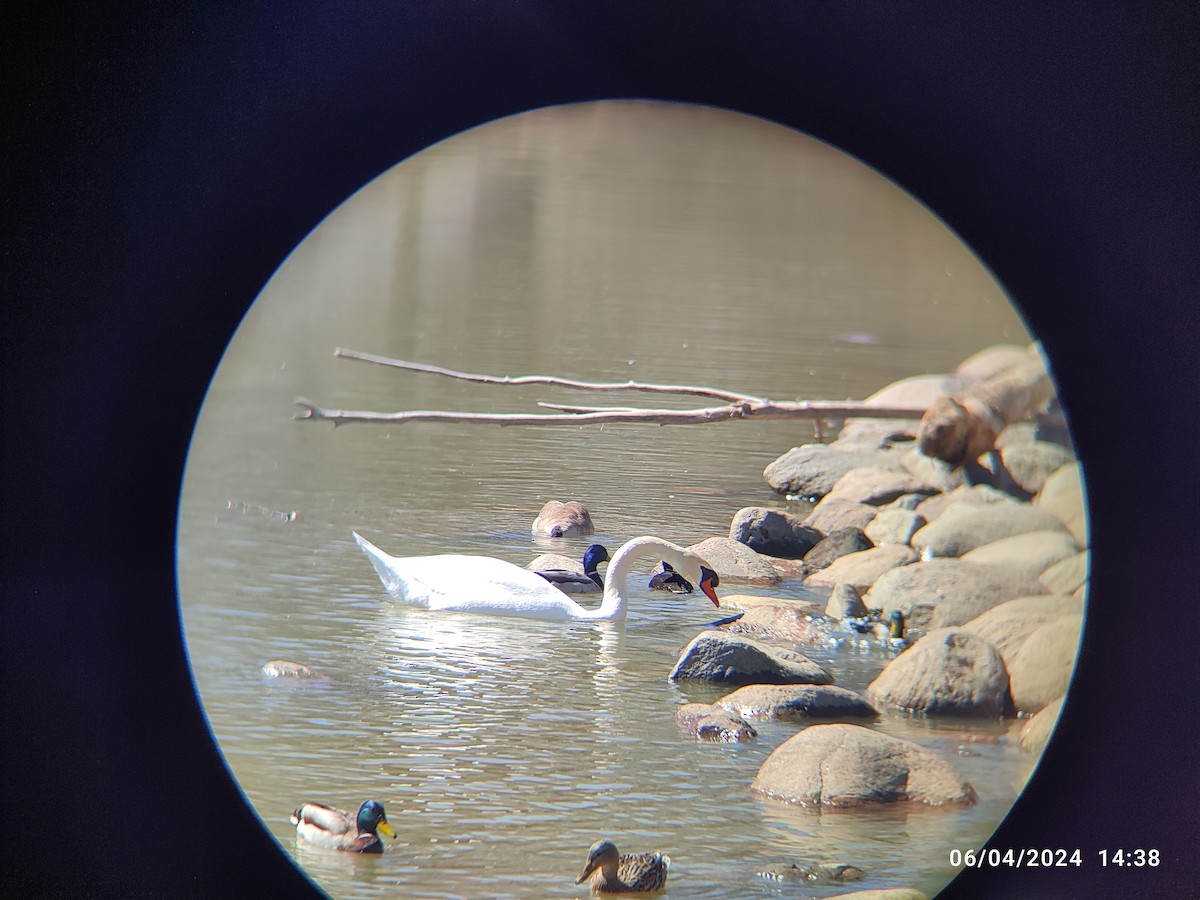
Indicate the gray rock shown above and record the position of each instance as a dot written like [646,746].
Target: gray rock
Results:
[876,487]
[1009,625]
[945,592]
[1031,553]
[976,493]
[835,513]
[894,526]
[733,561]
[849,765]
[1062,497]
[730,659]
[773,532]
[1041,669]
[965,526]
[934,473]
[845,602]
[948,672]
[779,622]
[1036,732]
[801,701]
[837,543]
[813,469]
[864,568]
[712,723]
[1068,574]
[1024,468]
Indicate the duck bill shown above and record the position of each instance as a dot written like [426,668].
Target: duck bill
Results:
[385,828]
[710,592]
[588,870]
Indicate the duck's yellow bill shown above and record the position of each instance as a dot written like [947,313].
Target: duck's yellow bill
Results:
[386,829]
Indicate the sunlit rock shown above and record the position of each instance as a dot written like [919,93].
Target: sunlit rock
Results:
[948,672]
[773,532]
[1031,553]
[735,562]
[1041,669]
[944,592]
[731,659]
[796,701]
[965,526]
[864,568]
[712,723]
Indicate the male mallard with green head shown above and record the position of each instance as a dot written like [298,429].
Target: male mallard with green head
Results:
[612,873]
[336,829]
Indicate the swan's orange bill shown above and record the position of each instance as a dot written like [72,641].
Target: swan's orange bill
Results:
[710,591]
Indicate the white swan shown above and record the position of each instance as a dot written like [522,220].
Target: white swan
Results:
[483,584]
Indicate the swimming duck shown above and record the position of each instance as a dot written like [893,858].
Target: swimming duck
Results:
[612,873]
[336,829]
[493,587]
[558,519]
[670,580]
[574,583]
[891,631]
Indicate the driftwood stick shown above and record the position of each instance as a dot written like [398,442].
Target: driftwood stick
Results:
[549,379]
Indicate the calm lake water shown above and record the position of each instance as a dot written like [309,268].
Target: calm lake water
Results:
[608,241]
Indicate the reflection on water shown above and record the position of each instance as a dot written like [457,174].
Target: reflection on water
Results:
[602,242]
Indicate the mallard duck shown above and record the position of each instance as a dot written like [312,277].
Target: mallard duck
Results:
[558,519]
[336,829]
[493,587]
[670,580]
[891,631]
[612,873]
[574,583]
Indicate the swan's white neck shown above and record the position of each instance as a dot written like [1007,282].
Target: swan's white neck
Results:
[619,567]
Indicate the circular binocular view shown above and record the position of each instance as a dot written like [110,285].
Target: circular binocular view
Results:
[631,496]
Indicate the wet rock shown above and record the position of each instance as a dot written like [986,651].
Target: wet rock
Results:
[834,513]
[773,532]
[735,562]
[558,519]
[894,526]
[1031,553]
[1041,669]
[790,569]
[731,659]
[754,601]
[811,873]
[796,701]
[948,672]
[1066,575]
[1009,625]
[978,494]
[883,894]
[877,487]
[711,723]
[285,668]
[777,622]
[1023,467]
[1062,497]
[813,469]
[1036,732]
[837,543]
[965,526]
[864,568]
[845,602]
[945,592]
[849,765]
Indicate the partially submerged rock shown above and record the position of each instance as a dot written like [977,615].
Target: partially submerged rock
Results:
[779,622]
[948,672]
[845,602]
[837,766]
[796,701]
[712,723]
[735,562]
[731,659]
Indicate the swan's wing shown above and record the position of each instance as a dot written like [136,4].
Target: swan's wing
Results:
[482,584]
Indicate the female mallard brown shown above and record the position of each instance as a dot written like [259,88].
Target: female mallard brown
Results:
[612,873]
[336,829]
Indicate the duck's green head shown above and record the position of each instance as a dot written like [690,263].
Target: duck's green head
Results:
[897,624]
[593,556]
[372,818]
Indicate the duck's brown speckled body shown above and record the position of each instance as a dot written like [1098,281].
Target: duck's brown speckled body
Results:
[631,873]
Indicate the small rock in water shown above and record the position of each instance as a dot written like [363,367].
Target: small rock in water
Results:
[283,668]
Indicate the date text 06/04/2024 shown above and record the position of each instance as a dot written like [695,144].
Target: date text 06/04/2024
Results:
[1032,857]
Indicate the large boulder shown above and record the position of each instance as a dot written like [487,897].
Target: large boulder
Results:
[833,514]
[965,526]
[778,622]
[863,569]
[894,526]
[1036,732]
[948,672]
[1009,625]
[1041,669]
[1031,553]
[1024,467]
[733,561]
[837,543]
[773,532]
[876,487]
[813,469]
[933,507]
[731,659]
[1066,575]
[796,701]
[849,765]
[946,592]
[712,723]
[1062,497]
